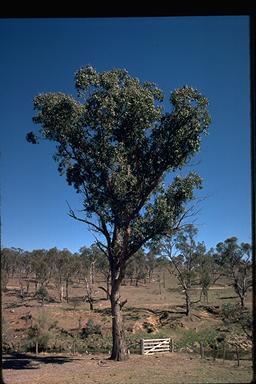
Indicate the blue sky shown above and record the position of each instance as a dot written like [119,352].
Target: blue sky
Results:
[42,55]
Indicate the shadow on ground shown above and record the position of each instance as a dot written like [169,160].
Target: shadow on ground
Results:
[25,361]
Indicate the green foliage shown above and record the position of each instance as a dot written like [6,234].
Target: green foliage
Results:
[31,340]
[40,265]
[235,260]
[42,294]
[90,329]
[116,143]
[137,266]
[238,318]
[98,343]
[7,345]
[230,254]
[190,337]
[183,252]
[228,312]
[41,332]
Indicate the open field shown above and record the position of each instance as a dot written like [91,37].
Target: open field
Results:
[164,369]
[144,315]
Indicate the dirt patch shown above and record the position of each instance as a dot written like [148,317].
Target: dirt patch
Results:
[165,369]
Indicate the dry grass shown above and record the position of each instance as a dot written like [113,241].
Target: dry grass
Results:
[164,369]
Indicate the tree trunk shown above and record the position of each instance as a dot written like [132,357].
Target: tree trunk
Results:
[92,272]
[91,304]
[67,290]
[61,293]
[242,301]
[108,284]
[119,349]
[206,296]
[160,286]
[117,265]
[188,304]
[28,286]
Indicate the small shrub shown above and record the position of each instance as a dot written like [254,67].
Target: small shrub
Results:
[42,340]
[97,343]
[191,338]
[238,318]
[229,312]
[90,329]
[7,345]
[40,332]
[42,295]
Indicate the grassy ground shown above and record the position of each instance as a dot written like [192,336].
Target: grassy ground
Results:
[144,305]
[164,369]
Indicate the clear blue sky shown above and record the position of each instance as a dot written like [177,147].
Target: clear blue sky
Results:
[42,55]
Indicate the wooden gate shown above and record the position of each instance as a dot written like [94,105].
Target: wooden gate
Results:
[149,346]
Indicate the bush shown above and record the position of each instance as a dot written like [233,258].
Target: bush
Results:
[90,329]
[41,339]
[191,338]
[235,316]
[7,345]
[40,332]
[229,312]
[42,294]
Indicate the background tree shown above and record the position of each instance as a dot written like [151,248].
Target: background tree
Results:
[20,267]
[136,267]
[70,268]
[88,258]
[235,259]
[183,251]
[233,315]
[102,265]
[116,145]
[151,261]
[208,271]
[41,267]
[6,266]
[59,270]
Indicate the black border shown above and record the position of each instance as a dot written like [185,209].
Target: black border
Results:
[193,8]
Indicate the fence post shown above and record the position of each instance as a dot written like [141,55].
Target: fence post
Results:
[36,347]
[224,350]
[172,345]
[237,356]
[201,349]
[141,346]
[215,351]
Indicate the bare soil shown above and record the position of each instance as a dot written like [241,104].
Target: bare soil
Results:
[144,305]
[159,368]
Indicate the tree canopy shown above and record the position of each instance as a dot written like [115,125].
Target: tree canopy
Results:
[115,144]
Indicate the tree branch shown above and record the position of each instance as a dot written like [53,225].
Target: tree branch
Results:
[73,215]
[105,290]
[123,303]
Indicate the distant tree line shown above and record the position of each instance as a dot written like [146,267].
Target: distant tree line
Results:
[181,255]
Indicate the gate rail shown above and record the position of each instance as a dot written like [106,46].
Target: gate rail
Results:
[148,346]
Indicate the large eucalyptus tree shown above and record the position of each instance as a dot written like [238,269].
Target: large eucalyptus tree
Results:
[115,144]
